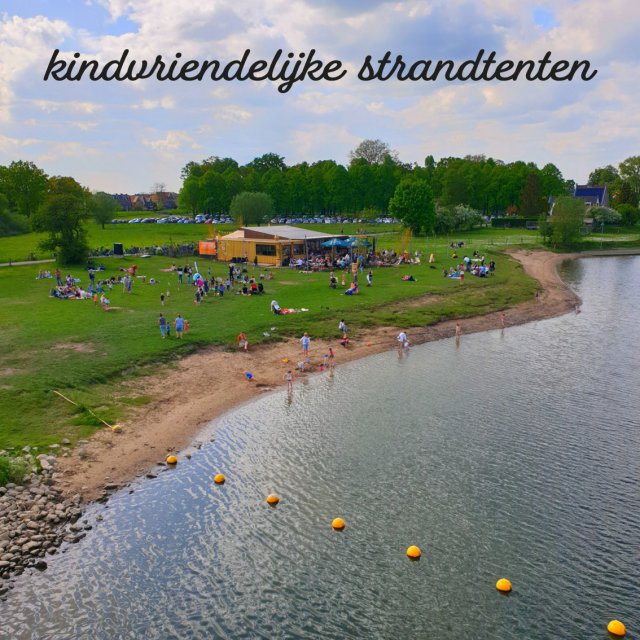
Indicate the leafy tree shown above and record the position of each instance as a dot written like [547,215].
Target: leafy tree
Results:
[103,207]
[24,185]
[268,161]
[251,207]
[625,195]
[630,172]
[604,175]
[373,152]
[532,201]
[191,194]
[412,204]
[62,216]
[567,220]
[629,214]
[605,215]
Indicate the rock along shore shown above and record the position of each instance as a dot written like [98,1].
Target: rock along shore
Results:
[36,519]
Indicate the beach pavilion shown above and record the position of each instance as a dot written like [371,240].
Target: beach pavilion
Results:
[273,245]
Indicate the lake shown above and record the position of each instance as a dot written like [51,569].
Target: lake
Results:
[513,454]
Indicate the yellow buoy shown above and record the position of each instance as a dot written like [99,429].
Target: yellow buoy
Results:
[285,360]
[116,428]
[616,628]
[338,524]
[219,479]
[503,585]
[172,460]
[272,499]
[414,552]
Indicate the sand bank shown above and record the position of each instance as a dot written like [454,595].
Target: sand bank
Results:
[176,414]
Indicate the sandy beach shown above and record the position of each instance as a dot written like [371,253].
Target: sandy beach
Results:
[173,419]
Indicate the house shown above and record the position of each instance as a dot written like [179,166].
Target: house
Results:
[592,195]
[273,245]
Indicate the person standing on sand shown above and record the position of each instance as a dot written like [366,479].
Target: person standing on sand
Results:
[458,330]
[305,341]
[289,378]
[163,325]
[342,327]
[330,358]
[179,326]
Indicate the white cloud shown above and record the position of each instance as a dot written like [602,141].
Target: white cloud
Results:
[51,106]
[172,142]
[168,102]
[24,42]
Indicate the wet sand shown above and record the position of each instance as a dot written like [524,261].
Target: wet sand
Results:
[175,416]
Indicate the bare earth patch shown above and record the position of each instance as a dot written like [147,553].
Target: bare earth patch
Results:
[8,371]
[80,347]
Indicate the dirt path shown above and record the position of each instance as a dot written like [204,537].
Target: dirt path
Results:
[176,415]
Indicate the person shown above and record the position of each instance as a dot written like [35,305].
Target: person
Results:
[343,280]
[342,327]
[370,278]
[243,343]
[325,360]
[255,262]
[105,302]
[502,320]
[458,330]
[58,277]
[162,300]
[305,341]
[168,328]
[402,339]
[275,307]
[289,378]
[163,325]
[197,297]
[330,358]
[352,290]
[179,326]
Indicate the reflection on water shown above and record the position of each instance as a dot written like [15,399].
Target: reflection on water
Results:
[513,455]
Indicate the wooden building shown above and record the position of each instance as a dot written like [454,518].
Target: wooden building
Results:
[273,245]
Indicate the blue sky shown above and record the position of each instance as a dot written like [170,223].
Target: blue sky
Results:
[125,137]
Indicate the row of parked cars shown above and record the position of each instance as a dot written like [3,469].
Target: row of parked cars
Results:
[208,219]
[177,220]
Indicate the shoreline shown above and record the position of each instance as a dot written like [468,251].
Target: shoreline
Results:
[182,407]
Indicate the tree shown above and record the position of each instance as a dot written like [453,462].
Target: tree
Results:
[103,207]
[268,161]
[604,215]
[412,204]
[604,175]
[532,202]
[567,220]
[630,172]
[373,151]
[251,207]
[629,214]
[62,216]
[24,185]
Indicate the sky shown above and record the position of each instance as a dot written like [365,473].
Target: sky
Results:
[126,137]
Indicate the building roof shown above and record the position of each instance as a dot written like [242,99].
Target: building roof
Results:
[277,232]
[590,191]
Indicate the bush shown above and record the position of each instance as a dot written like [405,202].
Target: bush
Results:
[604,215]
[12,224]
[12,470]
[630,214]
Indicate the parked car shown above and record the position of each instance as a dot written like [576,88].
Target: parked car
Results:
[134,221]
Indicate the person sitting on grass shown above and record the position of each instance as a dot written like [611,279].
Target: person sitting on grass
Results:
[275,307]
[105,302]
[352,290]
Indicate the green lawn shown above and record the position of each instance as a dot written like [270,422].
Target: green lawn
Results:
[93,356]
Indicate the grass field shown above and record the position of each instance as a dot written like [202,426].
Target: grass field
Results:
[93,356]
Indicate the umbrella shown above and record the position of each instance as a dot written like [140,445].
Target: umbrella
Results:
[357,242]
[335,242]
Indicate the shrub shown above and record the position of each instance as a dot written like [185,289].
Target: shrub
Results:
[12,470]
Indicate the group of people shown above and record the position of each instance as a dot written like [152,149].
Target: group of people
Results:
[180,324]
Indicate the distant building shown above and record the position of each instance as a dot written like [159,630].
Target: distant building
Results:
[592,195]
[160,201]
